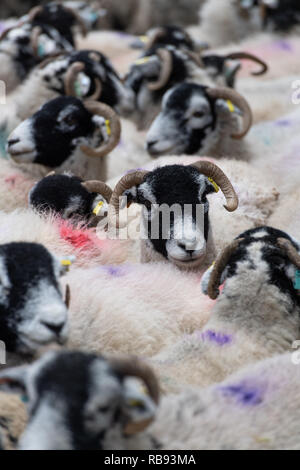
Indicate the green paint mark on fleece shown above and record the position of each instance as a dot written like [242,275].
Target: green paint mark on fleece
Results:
[3,140]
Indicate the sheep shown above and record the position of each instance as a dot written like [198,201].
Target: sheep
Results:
[255,317]
[223,22]
[152,191]
[255,409]
[83,74]
[202,120]
[71,198]
[23,47]
[91,14]
[81,136]
[33,312]
[169,67]
[120,390]
[13,419]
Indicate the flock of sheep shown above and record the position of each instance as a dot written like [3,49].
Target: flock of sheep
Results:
[120,331]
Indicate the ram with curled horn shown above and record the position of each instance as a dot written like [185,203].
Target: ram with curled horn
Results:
[175,217]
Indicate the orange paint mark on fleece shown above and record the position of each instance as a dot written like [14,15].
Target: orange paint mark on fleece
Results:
[81,239]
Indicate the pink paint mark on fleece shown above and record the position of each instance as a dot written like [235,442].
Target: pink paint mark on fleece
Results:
[13,179]
[81,239]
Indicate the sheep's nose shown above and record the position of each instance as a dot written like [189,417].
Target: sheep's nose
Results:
[55,328]
[12,142]
[151,144]
[188,244]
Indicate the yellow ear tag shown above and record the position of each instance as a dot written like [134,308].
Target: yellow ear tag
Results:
[144,39]
[217,189]
[230,106]
[108,129]
[66,263]
[98,208]
[142,61]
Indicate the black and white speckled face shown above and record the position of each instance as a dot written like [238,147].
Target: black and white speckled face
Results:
[32,310]
[55,133]
[175,212]
[85,402]
[96,67]
[258,256]
[186,123]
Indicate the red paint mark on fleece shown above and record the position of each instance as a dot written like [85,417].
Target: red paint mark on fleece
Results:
[13,179]
[81,239]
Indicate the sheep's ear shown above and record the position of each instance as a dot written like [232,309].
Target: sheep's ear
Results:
[138,408]
[13,380]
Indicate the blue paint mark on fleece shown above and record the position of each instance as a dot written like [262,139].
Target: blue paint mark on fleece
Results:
[283,123]
[246,394]
[219,338]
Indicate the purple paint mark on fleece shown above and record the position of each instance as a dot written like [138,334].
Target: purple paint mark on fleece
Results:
[283,123]
[115,271]
[135,169]
[245,394]
[283,45]
[219,338]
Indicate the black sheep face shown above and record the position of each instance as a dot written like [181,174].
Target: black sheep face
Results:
[258,258]
[65,195]
[86,401]
[55,133]
[17,43]
[186,123]
[281,15]
[96,66]
[175,212]
[88,12]
[32,310]
[55,15]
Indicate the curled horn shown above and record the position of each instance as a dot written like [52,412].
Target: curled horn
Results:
[288,248]
[135,368]
[246,55]
[50,59]
[126,182]
[36,32]
[98,187]
[67,296]
[196,58]
[34,12]
[154,37]
[240,102]
[105,111]
[218,268]
[71,76]
[78,19]
[211,170]
[166,60]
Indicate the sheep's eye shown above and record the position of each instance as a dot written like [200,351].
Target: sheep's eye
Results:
[198,114]
[103,409]
[70,120]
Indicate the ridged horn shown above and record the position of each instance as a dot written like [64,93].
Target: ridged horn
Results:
[210,170]
[98,187]
[78,20]
[105,111]
[288,248]
[218,268]
[126,182]
[71,76]
[135,368]
[239,101]
[253,58]
[68,296]
[166,61]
